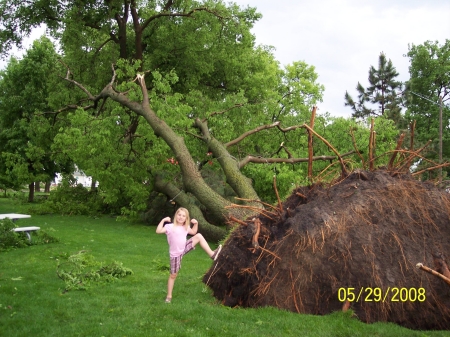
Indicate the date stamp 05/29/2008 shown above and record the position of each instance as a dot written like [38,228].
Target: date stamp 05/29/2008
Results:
[369,294]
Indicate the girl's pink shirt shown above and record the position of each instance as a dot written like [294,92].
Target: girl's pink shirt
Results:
[176,237]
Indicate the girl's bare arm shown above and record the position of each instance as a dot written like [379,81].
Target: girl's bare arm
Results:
[161,229]
[194,229]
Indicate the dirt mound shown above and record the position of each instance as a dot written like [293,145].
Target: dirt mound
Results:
[358,240]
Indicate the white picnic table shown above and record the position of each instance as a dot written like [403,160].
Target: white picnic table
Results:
[16,216]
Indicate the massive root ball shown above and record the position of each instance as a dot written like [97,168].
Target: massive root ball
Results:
[363,236]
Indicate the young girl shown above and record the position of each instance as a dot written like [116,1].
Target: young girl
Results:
[178,246]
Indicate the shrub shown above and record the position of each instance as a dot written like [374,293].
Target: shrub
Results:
[70,200]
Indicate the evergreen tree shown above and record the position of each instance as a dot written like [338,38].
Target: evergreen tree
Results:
[382,97]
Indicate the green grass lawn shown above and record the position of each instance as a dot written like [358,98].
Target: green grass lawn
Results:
[32,301]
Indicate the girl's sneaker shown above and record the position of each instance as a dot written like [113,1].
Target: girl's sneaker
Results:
[216,253]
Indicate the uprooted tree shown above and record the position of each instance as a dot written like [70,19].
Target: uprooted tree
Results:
[162,95]
[353,243]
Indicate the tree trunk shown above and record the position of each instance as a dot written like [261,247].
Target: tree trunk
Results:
[31,192]
[93,184]
[47,186]
[192,179]
[193,182]
[37,186]
[238,182]
[210,232]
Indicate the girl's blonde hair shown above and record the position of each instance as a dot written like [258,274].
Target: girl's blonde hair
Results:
[188,219]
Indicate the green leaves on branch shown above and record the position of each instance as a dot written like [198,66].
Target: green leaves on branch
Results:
[10,239]
[428,93]
[26,127]
[80,271]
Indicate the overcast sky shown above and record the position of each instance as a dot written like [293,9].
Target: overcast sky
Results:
[343,38]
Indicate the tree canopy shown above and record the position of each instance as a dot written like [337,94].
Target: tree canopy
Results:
[428,91]
[26,133]
[174,98]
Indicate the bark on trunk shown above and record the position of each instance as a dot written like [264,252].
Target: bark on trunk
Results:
[209,231]
[93,184]
[238,182]
[47,186]
[31,192]
[37,186]
[192,179]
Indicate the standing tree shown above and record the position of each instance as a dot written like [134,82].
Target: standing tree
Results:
[428,92]
[383,95]
[155,90]
[25,133]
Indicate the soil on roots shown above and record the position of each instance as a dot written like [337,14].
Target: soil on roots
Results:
[362,235]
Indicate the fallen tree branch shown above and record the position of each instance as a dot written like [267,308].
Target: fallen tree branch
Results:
[399,145]
[262,160]
[280,205]
[412,156]
[237,105]
[250,132]
[431,168]
[344,170]
[356,148]
[259,201]
[257,229]
[188,14]
[232,218]
[371,143]
[261,211]
[310,144]
[396,171]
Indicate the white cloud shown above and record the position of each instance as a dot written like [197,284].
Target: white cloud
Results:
[342,39]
